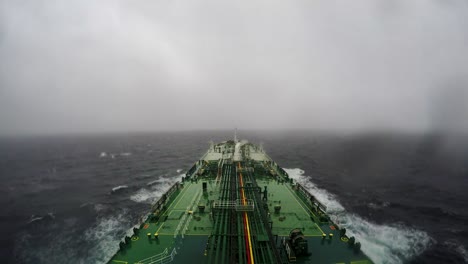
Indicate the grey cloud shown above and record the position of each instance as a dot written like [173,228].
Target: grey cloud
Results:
[92,66]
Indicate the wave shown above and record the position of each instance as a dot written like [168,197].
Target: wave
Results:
[433,211]
[99,207]
[120,187]
[153,182]
[35,219]
[95,244]
[378,206]
[154,189]
[38,218]
[162,180]
[462,251]
[382,243]
[106,235]
[458,248]
[144,176]
[146,196]
[112,155]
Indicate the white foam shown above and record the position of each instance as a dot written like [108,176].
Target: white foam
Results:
[99,207]
[377,206]
[103,155]
[179,170]
[161,180]
[107,235]
[152,182]
[52,215]
[458,248]
[154,189]
[84,205]
[35,218]
[119,188]
[100,241]
[462,251]
[145,196]
[382,243]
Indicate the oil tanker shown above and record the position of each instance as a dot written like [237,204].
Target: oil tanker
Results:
[237,205]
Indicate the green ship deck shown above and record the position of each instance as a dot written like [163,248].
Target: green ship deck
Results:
[236,205]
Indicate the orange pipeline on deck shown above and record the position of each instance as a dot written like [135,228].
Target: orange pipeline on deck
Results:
[246,221]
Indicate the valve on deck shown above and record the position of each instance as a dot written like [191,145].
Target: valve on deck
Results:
[201,207]
[277,208]
[265,194]
[298,242]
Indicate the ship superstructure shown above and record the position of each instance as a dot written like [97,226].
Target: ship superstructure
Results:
[236,205]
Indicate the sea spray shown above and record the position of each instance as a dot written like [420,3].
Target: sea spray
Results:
[154,189]
[382,243]
[106,234]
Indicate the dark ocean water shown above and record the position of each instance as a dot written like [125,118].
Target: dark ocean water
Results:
[403,196]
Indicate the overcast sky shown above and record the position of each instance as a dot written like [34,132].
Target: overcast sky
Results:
[87,65]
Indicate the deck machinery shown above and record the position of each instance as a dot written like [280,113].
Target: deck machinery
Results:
[236,205]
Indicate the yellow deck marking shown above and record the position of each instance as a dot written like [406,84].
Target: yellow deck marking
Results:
[171,234]
[312,235]
[157,231]
[319,228]
[292,194]
[186,190]
[304,235]
[168,208]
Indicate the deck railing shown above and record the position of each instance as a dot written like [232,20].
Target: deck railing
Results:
[160,258]
[184,222]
